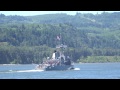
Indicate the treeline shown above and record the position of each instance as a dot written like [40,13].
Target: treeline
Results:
[45,34]
[36,54]
[99,59]
[31,43]
[23,55]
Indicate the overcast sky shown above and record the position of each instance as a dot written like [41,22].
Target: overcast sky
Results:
[30,13]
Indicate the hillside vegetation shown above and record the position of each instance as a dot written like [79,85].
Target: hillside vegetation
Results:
[31,39]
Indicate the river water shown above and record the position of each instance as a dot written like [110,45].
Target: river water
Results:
[82,71]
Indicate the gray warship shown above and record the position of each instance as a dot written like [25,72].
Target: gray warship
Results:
[58,61]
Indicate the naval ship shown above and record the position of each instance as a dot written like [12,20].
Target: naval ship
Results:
[58,61]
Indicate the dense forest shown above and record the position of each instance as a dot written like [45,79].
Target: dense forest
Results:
[31,39]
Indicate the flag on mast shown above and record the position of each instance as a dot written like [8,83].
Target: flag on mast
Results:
[58,38]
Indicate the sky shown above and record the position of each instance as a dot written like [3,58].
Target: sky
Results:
[31,13]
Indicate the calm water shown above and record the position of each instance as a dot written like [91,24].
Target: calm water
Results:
[87,71]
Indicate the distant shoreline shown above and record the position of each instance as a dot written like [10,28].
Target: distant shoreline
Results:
[9,64]
[75,63]
[13,64]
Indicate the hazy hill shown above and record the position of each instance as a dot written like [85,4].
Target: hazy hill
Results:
[27,38]
[79,20]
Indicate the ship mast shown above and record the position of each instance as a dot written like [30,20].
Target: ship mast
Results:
[60,48]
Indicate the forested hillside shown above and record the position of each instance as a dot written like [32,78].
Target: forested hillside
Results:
[31,39]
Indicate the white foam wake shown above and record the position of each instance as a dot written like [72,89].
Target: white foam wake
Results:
[30,71]
[76,68]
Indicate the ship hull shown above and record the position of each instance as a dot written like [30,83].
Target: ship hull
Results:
[57,68]
[62,67]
